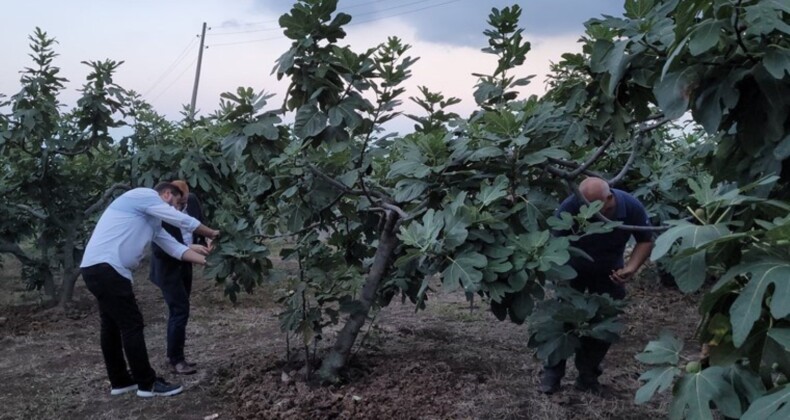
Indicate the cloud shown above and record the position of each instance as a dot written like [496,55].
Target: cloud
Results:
[232,23]
[462,22]
[157,42]
[448,68]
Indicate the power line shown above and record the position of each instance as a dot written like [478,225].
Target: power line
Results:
[180,75]
[249,41]
[353,23]
[403,5]
[172,66]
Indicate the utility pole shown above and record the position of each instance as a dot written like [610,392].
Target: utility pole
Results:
[197,70]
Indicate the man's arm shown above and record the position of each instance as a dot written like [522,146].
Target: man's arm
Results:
[638,257]
[206,231]
[644,243]
[168,214]
[194,254]
[190,255]
[169,244]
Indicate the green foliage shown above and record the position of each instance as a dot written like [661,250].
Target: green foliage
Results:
[664,350]
[468,201]
[557,325]
[697,388]
[773,406]
[747,307]
[725,63]
[696,392]
[505,40]
[49,161]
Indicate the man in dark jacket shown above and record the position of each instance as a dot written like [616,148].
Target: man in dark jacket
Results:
[607,273]
[174,277]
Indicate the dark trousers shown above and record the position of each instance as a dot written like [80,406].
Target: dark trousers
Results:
[121,327]
[175,280]
[589,356]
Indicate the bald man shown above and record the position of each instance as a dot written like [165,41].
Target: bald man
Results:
[607,273]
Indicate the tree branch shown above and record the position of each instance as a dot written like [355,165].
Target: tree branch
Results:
[583,167]
[557,172]
[14,249]
[738,36]
[33,212]
[103,200]
[574,189]
[416,211]
[648,128]
[285,235]
[396,209]
[573,165]
[631,158]
[343,187]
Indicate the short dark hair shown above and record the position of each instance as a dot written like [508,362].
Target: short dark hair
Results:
[166,186]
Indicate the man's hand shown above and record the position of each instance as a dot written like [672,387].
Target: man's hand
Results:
[206,231]
[193,256]
[200,249]
[622,275]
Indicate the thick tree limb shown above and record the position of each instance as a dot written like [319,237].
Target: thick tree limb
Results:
[630,162]
[573,165]
[384,201]
[285,235]
[594,157]
[648,128]
[103,200]
[344,188]
[396,209]
[337,358]
[557,172]
[574,189]
[33,212]
[15,250]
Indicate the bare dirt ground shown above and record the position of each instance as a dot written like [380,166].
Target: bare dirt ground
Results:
[442,363]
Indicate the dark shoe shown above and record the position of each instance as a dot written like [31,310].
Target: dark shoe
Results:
[160,388]
[182,368]
[593,387]
[120,390]
[190,364]
[549,384]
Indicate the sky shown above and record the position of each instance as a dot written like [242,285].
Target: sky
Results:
[158,40]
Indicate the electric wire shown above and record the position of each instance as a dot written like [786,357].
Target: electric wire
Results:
[172,66]
[180,75]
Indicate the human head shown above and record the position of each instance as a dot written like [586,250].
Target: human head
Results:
[184,188]
[168,192]
[597,189]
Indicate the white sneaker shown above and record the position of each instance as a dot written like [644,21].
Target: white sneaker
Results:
[124,390]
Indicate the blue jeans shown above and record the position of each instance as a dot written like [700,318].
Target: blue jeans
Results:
[176,285]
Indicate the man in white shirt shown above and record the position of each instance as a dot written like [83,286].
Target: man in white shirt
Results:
[115,248]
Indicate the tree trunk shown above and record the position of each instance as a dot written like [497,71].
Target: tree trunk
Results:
[337,358]
[70,271]
[48,282]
